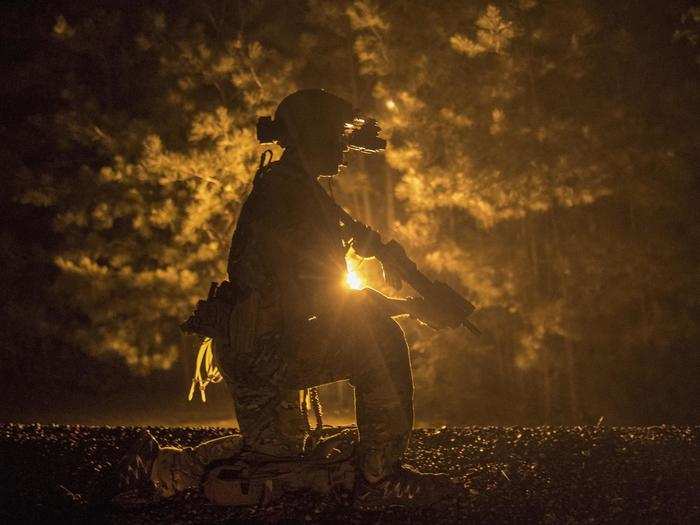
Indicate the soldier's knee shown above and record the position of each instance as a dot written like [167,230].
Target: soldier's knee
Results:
[382,355]
[392,339]
[393,351]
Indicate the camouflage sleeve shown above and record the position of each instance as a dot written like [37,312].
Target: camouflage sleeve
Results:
[298,242]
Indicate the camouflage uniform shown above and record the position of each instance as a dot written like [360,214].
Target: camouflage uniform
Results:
[176,469]
[297,325]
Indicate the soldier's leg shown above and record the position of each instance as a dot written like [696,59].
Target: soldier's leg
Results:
[269,415]
[270,421]
[383,398]
[176,469]
[253,366]
[369,349]
[270,418]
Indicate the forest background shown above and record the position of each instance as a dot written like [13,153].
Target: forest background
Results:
[542,160]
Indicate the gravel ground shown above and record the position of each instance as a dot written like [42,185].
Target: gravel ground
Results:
[513,475]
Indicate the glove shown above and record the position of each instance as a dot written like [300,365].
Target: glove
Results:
[365,241]
[392,276]
[435,318]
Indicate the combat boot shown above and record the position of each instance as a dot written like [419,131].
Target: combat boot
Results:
[406,487]
[132,473]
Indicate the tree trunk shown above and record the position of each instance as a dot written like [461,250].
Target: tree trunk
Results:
[574,413]
[390,209]
[574,410]
[366,201]
[546,386]
[534,298]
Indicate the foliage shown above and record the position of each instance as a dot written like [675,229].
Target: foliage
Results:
[145,230]
[540,160]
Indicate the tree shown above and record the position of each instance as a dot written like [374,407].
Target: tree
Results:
[145,222]
[540,160]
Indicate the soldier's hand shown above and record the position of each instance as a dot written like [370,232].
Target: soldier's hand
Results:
[392,277]
[433,317]
[365,241]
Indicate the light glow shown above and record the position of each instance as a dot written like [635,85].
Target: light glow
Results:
[354,281]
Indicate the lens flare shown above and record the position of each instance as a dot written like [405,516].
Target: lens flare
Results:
[354,281]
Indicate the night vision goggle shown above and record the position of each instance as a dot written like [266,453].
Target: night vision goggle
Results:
[359,135]
[362,135]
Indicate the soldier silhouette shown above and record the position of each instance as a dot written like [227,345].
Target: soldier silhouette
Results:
[294,323]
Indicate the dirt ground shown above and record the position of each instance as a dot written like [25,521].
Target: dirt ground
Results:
[512,475]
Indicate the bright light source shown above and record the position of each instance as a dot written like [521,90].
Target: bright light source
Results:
[391,105]
[354,281]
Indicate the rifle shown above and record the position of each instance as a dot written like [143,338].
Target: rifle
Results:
[437,294]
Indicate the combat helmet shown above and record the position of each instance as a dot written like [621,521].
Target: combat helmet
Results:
[320,125]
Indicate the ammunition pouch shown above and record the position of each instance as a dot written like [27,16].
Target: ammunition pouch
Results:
[211,315]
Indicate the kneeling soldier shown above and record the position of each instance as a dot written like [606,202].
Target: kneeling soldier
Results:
[293,324]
